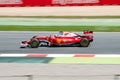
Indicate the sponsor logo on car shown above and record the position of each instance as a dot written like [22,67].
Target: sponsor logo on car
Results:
[58,41]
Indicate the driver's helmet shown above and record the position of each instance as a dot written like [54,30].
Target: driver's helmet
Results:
[61,33]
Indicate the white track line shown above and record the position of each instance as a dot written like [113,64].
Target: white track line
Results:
[60,55]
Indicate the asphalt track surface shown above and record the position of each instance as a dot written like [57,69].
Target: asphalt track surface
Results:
[104,43]
[16,71]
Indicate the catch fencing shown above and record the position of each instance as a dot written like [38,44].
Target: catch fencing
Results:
[61,77]
[5,3]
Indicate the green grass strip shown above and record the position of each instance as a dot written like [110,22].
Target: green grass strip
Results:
[60,28]
[76,17]
[24,60]
[71,60]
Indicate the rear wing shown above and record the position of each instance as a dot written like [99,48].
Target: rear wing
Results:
[88,34]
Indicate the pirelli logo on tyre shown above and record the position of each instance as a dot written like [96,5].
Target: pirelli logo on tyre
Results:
[11,2]
[64,2]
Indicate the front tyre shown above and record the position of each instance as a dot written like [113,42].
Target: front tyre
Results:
[34,43]
[84,42]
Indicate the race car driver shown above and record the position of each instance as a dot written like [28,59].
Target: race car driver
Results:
[66,34]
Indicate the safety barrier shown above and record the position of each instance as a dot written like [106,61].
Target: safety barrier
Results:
[4,3]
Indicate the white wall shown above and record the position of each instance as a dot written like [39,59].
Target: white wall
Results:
[61,11]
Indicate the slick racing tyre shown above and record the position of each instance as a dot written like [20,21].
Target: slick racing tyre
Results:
[84,42]
[34,43]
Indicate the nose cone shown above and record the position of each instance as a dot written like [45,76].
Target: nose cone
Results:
[23,44]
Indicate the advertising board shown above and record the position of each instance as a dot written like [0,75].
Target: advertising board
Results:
[58,2]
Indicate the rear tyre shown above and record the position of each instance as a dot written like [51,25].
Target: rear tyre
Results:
[84,42]
[34,43]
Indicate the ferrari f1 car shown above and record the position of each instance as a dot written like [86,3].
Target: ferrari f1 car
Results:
[62,39]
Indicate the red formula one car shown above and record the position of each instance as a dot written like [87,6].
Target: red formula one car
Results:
[62,39]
